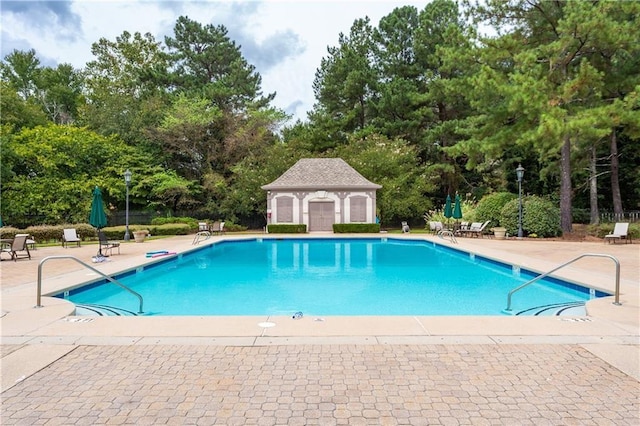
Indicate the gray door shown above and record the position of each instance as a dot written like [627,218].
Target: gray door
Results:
[321,216]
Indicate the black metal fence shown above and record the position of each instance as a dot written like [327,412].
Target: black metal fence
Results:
[138,217]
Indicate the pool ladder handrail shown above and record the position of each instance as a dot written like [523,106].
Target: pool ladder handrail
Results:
[447,233]
[196,238]
[113,280]
[546,274]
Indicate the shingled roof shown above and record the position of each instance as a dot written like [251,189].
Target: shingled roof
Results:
[321,174]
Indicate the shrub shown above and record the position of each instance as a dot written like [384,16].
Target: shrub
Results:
[170,229]
[8,232]
[116,232]
[192,222]
[362,228]
[539,216]
[232,227]
[43,233]
[286,228]
[490,207]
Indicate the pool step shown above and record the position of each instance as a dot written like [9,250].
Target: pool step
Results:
[557,309]
[102,311]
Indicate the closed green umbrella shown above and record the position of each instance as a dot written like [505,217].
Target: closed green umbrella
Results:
[447,208]
[97,218]
[457,210]
[448,211]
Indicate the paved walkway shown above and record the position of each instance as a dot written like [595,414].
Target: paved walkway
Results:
[349,370]
[326,385]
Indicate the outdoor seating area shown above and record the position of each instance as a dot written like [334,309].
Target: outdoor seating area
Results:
[216,227]
[461,229]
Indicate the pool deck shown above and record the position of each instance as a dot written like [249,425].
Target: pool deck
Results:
[332,370]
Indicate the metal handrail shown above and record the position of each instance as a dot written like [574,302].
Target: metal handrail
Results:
[114,281]
[445,232]
[539,277]
[196,238]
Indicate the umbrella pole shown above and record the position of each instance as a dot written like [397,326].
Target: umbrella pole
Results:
[100,246]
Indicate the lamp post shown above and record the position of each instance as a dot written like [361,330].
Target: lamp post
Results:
[127,181]
[520,175]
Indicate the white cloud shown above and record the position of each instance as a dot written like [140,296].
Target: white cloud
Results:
[285,40]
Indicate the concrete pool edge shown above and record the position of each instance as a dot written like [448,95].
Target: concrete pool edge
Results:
[601,307]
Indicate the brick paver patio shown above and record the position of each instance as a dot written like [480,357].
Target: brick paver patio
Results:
[326,385]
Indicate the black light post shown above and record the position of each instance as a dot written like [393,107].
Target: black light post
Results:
[127,181]
[520,175]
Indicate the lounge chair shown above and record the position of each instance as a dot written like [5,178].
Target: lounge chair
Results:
[107,245]
[476,230]
[70,236]
[471,228]
[203,226]
[464,227]
[435,227]
[217,227]
[31,243]
[620,232]
[18,247]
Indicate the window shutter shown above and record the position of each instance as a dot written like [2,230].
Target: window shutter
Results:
[284,209]
[358,210]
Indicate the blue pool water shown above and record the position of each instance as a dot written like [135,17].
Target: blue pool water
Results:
[329,277]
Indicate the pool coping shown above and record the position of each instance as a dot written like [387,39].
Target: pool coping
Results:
[612,330]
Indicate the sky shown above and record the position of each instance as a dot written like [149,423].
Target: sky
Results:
[284,40]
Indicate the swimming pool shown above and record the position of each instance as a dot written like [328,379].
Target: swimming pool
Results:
[322,277]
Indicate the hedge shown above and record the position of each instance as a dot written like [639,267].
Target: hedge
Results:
[356,228]
[192,222]
[287,229]
[43,233]
[117,232]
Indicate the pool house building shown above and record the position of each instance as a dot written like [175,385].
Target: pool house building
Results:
[319,192]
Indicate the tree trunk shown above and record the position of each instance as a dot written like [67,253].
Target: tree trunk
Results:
[593,188]
[361,115]
[615,179]
[566,217]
